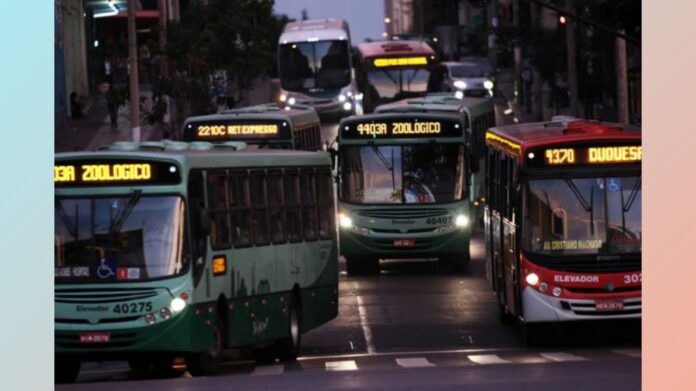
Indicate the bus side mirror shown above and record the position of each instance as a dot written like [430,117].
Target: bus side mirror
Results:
[205,221]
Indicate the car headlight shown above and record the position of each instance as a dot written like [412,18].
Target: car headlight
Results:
[283,97]
[347,106]
[344,221]
[488,85]
[341,98]
[459,84]
[291,101]
[461,221]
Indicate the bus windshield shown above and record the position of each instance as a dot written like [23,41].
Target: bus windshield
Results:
[402,174]
[314,66]
[109,239]
[583,216]
[397,83]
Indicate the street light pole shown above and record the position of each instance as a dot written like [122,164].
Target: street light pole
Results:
[133,62]
[572,66]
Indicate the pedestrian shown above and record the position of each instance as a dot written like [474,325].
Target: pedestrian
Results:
[108,71]
[112,102]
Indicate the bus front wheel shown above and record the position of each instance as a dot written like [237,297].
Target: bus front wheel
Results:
[66,369]
[207,363]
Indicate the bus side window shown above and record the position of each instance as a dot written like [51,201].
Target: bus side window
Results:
[309,206]
[275,203]
[219,230]
[238,190]
[325,201]
[292,204]
[196,202]
[259,213]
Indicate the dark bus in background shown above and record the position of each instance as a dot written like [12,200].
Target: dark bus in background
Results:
[263,126]
[388,71]
[315,66]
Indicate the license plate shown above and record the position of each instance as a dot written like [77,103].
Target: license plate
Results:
[609,305]
[95,337]
[404,242]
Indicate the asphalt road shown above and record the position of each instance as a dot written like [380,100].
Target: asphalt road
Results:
[418,326]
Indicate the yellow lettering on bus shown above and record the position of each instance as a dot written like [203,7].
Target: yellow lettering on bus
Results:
[63,173]
[620,154]
[116,172]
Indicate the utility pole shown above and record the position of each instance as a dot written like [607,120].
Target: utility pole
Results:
[572,71]
[621,80]
[133,62]
[162,7]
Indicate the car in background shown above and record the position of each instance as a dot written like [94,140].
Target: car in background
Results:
[483,63]
[468,78]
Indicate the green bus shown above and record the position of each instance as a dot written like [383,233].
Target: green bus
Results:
[479,116]
[403,191]
[174,249]
[262,126]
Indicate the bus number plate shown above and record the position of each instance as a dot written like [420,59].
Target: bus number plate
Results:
[95,337]
[609,305]
[404,242]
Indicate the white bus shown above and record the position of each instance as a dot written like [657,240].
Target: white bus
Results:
[314,64]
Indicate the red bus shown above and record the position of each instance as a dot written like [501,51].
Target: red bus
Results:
[563,221]
[387,71]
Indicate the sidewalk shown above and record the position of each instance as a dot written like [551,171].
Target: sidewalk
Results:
[94,129]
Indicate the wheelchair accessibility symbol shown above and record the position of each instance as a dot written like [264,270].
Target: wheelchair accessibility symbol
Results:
[105,271]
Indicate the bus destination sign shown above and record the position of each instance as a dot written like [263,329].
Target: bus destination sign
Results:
[399,61]
[401,128]
[594,155]
[221,130]
[113,173]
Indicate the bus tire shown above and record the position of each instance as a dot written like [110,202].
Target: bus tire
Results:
[207,363]
[504,316]
[289,347]
[365,266]
[66,369]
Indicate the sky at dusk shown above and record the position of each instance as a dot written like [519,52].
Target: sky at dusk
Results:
[365,17]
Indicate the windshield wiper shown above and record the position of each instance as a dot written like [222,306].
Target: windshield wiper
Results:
[589,207]
[626,206]
[385,162]
[121,218]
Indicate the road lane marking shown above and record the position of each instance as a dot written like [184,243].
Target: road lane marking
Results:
[562,357]
[628,352]
[262,370]
[348,365]
[485,359]
[414,362]
[411,353]
[362,314]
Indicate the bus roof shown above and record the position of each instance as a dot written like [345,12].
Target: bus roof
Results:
[439,102]
[315,30]
[297,116]
[203,155]
[394,48]
[561,129]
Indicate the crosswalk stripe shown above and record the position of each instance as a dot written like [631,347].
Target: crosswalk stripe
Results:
[414,362]
[562,357]
[628,352]
[487,359]
[348,365]
[276,369]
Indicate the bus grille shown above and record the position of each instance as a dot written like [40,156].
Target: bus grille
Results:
[107,295]
[418,213]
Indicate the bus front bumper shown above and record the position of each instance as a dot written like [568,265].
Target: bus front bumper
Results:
[451,243]
[538,307]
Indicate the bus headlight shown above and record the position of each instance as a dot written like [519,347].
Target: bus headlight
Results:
[165,313]
[557,291]
[488,85]
[283,97]
[459,84]
[291,101]
[150,319]
[461,221]
[543,287]
[347,106]
[341,98]
[177,305]
[532,279]
[344,221]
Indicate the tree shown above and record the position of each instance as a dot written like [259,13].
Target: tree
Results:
[218,37]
